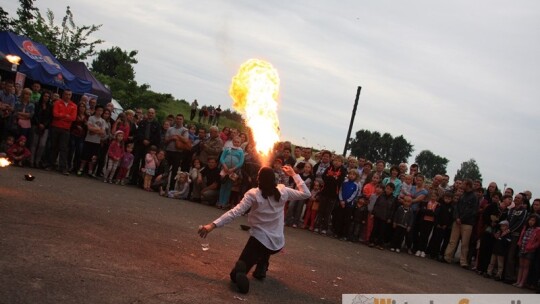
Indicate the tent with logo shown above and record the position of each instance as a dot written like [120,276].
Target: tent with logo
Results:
[80,70]
[40,65]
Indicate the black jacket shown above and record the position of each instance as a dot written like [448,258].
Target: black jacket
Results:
[467,208]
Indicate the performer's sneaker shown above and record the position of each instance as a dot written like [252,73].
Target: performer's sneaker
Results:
[240,277]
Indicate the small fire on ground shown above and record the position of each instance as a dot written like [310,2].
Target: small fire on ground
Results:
[4,162]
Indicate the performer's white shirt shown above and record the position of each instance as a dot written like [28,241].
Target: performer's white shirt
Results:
[266,217]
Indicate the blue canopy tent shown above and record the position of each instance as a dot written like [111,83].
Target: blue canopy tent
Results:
[40,65]
[80,70]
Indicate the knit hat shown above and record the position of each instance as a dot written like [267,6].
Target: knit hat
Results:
[504,223]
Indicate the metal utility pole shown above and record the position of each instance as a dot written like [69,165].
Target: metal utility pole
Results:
[352,122]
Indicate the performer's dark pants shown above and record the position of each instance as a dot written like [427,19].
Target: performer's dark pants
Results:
[255,253]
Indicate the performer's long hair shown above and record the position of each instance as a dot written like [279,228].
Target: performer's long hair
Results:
[267,183]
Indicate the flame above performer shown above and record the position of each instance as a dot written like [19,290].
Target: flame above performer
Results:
[254,91]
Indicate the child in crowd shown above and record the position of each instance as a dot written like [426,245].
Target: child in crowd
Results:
[371,199]
[4,146]
[313,205]
[501,245]
[181,187]
[343,212]
[293,215]
[381,216]
[427,223]
[196,180]
[443,227]
[529,241]
[92,142]
[114,156]
[125,165]
[281,178]
[402,223]
[18,153]
[406,187]
[359,220]
[150,164]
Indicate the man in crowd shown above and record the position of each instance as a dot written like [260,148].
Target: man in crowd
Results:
[464,219]
[211,147]
[148,134]
[211,182]
[64,113]
[177,146]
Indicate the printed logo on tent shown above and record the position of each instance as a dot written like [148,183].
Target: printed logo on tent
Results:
[30,49]
[59,78]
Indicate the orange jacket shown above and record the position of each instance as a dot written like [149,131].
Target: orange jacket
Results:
[60,110]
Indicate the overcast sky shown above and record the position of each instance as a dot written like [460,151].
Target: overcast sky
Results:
[459,78]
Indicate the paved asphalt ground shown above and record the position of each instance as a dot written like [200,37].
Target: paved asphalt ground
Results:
[79,240]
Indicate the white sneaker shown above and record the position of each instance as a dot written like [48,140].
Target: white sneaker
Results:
[323,232]
[392,249]
[418,253]
[422,254]
[316,230]
[397,250]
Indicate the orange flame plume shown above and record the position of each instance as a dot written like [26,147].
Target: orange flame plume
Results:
[254,91]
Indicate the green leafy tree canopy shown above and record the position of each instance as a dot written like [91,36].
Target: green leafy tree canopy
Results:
[374,146]
[431,164]
[469,169]
[65,41]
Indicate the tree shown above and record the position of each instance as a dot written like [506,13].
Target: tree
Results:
[401,151]
[374,146]
[470,170]
[115,62]
[68,41]
[6,23]
[431,164]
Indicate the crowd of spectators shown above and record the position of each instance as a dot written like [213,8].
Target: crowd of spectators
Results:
[387,207]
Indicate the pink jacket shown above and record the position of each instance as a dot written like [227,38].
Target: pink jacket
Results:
[534,241]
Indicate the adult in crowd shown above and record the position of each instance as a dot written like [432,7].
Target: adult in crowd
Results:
[218,115]
[211,147]
[517,217]
[24,111]
[231,160]
[193,107]
[64,113]
[76,138]
[462,228]
[177,147]
[323,164]
[41,122]
[147,135]
[211,182]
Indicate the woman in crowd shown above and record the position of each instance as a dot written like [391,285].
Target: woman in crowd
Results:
[77,133]
[231,161]
[24,111]
[41,120]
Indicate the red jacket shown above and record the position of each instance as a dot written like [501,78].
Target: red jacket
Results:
[116,151]
[534,241]
[60,110]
